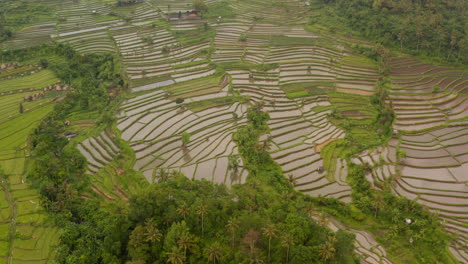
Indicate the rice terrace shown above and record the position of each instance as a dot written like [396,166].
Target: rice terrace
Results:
[233,131]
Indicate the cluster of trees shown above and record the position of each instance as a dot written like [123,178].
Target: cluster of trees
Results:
[433,28]
[58,168]
[423,235]
[16,14]
[185,221]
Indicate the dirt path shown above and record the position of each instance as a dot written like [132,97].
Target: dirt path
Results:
[106,196]
[319,147]
[121,194]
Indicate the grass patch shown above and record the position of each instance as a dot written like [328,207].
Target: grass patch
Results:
[281,40]
[295,90]
[222,8]
[216,102]
[186,37]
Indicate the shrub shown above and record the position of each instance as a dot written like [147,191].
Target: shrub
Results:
[243,37]
[179,100]
[165,49]
[44,63]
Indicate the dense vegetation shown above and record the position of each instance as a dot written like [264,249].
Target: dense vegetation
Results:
[263,220]
[180,220]
[16,14]
[58,169]
[433,28]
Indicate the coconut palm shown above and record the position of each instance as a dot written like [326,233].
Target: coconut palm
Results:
[152,232]
[287,240]
[186,242]
[137,237]
[327,250]
[201,210]
[214,252]
[232,226]
[270,232]
[377,203]
[183,210]
[175,256]
[291,180]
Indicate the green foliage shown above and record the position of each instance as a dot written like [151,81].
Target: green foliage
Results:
[185,137]
[243,37]
[433,28]
[200,6]
[44,63]
[390,212]
[58,168]
[171,210]
[14,15]
[220,9]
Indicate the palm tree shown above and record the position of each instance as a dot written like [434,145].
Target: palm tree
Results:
[162,175]
[175,256]
[232,226]
[137,237]
[251,238]
[201,210]
[152,232]
[183,211]
[377,203]
[186,242]
[291,180]
[214,252]
[270,232]
[287,240]
[327,250]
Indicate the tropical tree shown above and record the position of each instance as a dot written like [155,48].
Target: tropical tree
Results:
[161,175]
[232,226]
[377,203]
[202,209]
[251,238]
[152,232]
[327,250]
[175,256]
[269,231]
[185,137]
[287,240]
[183,210]
[186,242]
[213,252]
[200,6]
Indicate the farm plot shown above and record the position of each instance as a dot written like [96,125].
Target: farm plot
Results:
[296,130]
[31,36]
[154,55]
[99,151]
[79,15]
[291,12]
[365,244]
[229,44]
[428,167]
[36,80]
[21,216]
[425,96]
[153,124]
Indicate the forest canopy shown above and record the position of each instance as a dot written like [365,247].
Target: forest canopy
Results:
[426,27]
